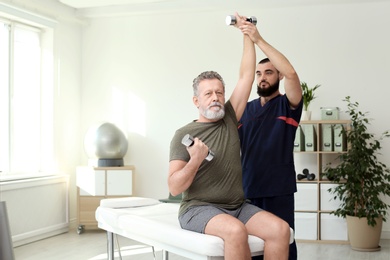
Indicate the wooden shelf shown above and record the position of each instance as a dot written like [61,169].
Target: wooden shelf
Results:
[313,203]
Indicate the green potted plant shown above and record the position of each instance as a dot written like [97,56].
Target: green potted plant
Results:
[308,96]
[363,181]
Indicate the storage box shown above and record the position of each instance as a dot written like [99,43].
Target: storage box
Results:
[326,198]
[310,138]
[327,138]
[306,197]
[329,113]
[340,143]
[306,226]
[299,142]
[333,227]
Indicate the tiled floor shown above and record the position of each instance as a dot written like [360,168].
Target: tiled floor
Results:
[91,245]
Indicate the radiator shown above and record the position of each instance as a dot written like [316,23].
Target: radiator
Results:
[37,207]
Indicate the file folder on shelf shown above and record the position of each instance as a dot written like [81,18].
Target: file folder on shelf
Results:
[299,142]
[310,138]
[340,143]
[327,138]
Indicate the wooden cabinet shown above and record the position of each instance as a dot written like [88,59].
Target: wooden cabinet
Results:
[319,145]
[96,183]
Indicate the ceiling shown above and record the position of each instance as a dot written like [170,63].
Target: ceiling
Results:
[101,8]
[98,3]
[98,8]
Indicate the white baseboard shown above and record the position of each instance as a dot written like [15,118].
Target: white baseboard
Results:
[36,235]
[37,207]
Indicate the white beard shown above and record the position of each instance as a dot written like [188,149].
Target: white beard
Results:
[213,115]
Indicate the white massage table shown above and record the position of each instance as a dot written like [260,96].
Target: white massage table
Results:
[154,223]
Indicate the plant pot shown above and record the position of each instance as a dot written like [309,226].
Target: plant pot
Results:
[363,237]
[306,115]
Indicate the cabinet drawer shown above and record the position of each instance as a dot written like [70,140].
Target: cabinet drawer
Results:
[90,181]
[327,201]
[306,197]
[333,228]
[306,226]
[119,183]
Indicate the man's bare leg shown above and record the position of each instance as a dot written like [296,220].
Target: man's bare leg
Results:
[234,234]
[274,231]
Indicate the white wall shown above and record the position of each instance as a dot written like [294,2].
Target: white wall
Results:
[153,59]
[343,47]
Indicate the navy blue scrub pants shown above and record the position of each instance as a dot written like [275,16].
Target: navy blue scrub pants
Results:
[283,207]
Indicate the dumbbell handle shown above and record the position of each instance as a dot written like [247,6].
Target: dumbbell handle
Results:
[231,20]
[188,141]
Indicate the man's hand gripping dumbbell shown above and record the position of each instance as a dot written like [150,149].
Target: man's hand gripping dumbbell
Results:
[188,141]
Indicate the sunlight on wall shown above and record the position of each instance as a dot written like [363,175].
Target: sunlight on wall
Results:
[118,115]
[137,115]
[128,110]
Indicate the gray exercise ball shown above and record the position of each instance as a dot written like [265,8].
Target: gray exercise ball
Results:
[107,143]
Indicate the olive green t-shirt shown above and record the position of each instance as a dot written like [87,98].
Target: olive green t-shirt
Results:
[219,181]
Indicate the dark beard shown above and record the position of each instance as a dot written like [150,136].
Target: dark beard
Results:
[266,92]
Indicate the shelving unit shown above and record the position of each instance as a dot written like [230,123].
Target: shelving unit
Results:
[97,183]
[313,202]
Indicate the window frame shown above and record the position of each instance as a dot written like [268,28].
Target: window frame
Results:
[18,18]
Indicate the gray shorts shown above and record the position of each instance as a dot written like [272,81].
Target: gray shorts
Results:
[197,217]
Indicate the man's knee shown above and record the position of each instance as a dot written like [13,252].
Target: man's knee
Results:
[236,231]
[286,229]
[227,227]
[281,229]
[239,230]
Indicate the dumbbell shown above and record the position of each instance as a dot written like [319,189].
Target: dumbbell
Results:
[306,174]
[309,176]
[188,141]
[232,20]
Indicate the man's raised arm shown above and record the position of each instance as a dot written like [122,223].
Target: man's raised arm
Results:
[241,92]
[292,84]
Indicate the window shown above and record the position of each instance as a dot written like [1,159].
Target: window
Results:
[4,107]
[26,98]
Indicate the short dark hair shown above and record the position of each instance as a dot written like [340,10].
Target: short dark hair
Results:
[265,60]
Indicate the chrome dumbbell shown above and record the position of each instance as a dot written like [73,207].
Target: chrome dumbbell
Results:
[232,20]
[188,140]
